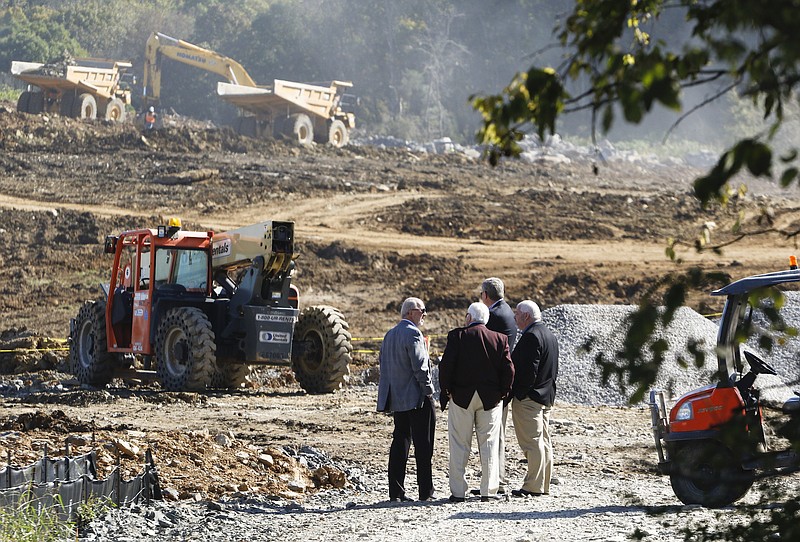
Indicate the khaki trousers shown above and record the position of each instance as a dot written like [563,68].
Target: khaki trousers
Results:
[460,423]
[532,426]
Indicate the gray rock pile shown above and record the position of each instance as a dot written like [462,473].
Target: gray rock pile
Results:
[603,327]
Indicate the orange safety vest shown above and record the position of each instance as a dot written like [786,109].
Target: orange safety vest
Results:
[150,118]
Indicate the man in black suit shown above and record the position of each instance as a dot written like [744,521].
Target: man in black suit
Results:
[536,369]
[475,375]
[501,319]
[501,316]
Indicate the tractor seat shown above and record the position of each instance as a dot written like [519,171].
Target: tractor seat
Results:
[792,405]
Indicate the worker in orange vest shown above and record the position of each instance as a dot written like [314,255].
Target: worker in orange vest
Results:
[150,119]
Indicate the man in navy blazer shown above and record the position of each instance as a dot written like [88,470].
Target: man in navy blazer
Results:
[501,319]
[475,374]
[405,389]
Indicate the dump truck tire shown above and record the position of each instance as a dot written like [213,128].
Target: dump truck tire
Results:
[36,103]
[85,107]
[337,134]
[23,102]
[90,361]
[323,364]
[300,128]
[246,126]
[185,350]
[115,110]
[67,105]
[709,474]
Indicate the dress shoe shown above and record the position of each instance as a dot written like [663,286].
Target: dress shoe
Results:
[402,498]
[453,498]
[525,493]
[501,491]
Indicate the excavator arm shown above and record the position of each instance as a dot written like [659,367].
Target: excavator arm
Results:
[160,46]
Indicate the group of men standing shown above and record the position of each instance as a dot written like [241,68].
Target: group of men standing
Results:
[500,357]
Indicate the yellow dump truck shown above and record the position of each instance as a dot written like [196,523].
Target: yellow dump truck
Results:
[303,112]
[84,88]
[300,111]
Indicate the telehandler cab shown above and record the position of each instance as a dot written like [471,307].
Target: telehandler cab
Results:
[712,442]
[197,310]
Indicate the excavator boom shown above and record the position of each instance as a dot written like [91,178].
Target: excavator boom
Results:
[160,46]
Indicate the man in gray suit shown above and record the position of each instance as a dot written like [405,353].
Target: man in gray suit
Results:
[406,390]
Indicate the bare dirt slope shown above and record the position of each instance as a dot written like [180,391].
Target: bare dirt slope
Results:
[373,226]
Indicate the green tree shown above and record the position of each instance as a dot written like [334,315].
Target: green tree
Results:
[35,38]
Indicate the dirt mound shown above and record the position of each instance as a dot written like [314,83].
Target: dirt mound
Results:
[189,463]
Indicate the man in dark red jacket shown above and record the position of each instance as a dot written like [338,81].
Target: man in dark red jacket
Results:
[536,369]
[475,375]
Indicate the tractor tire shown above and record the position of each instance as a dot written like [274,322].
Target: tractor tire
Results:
[115,110]
[337,134]
[324,364]
[90,360]
[185,350]
[232,375]
[67,108]
[299,128]
[709,474]
[24,101]
[85,107]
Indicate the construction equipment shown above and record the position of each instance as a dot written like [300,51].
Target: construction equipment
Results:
[84,88]
[302,112]
[712,442]
[198,310]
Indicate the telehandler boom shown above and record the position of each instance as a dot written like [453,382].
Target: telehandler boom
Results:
[197,310]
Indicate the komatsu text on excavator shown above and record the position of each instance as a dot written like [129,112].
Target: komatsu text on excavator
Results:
[198,310]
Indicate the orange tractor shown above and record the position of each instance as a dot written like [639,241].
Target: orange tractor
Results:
[712,443]
[198,310]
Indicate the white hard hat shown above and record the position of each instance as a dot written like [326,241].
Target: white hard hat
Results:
[152,109]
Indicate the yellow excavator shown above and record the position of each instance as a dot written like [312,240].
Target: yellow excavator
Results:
[303,112]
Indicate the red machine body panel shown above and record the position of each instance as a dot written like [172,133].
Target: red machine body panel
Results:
[712,407]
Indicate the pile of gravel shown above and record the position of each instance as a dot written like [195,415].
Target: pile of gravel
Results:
[603,327]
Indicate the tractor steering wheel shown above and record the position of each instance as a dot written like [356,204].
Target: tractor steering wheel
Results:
[758,365]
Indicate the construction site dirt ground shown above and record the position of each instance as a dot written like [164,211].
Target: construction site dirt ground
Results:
[373,226]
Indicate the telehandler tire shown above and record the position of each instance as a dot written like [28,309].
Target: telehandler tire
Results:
[322,364]
[709,474]
[185,350]
[90,361]
[337,134]
[85,107]
[23,102]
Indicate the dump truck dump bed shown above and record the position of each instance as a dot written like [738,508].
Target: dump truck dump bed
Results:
[284,96]
[89,75]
